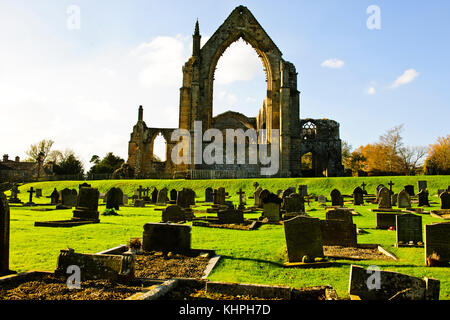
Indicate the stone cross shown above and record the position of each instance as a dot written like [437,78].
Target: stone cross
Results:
[241,194]
[147,190]
[140,190]
[31,191]
[390,184]
[364,186]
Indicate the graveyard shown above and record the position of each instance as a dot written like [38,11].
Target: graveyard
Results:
[257,256]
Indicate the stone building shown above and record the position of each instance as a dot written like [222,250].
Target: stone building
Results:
[280,112]
[16,170]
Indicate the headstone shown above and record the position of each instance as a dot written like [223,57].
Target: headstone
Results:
[4,235]
[437,240]
[263,195]
[146,195]
[87,205]
[394,198]
[242,201]
[30,201]
[173,195]
[294,204]
[255,185]
[404,200]
[14,194]
[174,214]
[358,196]
[409,229]
[379,187]
[83,185]
[209,195]
[384,199]
[391,184]
[386,220]
[69,198]
[257,198]
[186,198]
[97,266]
[339,214]
[303,238]
[440,191]
[38,193]
[162,197]
[303,190]
[423,198]
[422,185]
[338,233]
[288,192]
[322,199]
[445,200]
[125,200]
[364,185]
[54,197]
[154,197]
[139,203]
[391,284]
[410,190]
[336,198]
[219,196]
[114,198]
[230,216]
[166,237]
[140,192]
[272,207]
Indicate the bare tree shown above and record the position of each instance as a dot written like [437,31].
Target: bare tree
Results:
[412,157]
[39,151]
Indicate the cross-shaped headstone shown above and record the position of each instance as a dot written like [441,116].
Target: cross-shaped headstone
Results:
[147,190]
[240,193]
[390,184]
[140,190]
[31,191]
[364,186]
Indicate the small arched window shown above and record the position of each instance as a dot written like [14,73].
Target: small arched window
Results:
[309,131]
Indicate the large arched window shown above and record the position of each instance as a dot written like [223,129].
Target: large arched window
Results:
[159,148]
[309,131]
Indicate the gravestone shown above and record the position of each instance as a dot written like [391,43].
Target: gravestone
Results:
[437,240]
[422,185]
[139,203]
[384,199]
[440,191]
[209,195]
[386,220]
[303,190]
[230,216]
[445,200]
[186,198]
[338,233]
[294,204]
[364,185]
[339,214]
[173,195]
[139,193]
[54,197]
[358,196]
[242,199]
[255,185]
[219,196]
[410,190]
[263,195]
[391,284]
[279,192]
[272,208]
[162,197]
[30,200]
[146,195]
[303,238]
[166,237]
[4,235]
[336,198]
[394,198]
[409,229]
[114,198]
[423,198]
[83,185]
[322,199]
[14,194]
[154,197]
[87,205]
[404,200]
[175,213]
[38,193]
[288,192]
[379,187]
[69,198]
[256,196]
[97,266]
[125,200]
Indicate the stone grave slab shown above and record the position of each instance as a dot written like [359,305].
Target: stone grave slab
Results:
[166,237]
[437,240]
[409,230]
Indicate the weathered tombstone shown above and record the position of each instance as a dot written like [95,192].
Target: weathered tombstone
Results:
[404,200]
[83,185]
[364,185]
[139,203]
[219,196]
[87,205]
[358,196]
[174,213]
[384,199]
[279,192]
[336,198]
[97,266]
[4,235]
[54,197]
[242,202]
[257,198]
[339,214]
[255,185]
[69,198]
[140,192]
[437,241]
[423,198]
[209,195]
[391,184]
[392,285]
[379,187]
[394,198]
[262,196]
[14,194]
[422,185]
[386,220]
[173,195]
[38,193]
[166,237]
[338,233]
[294,204]
[303,239]
[30,201]
[409,229]
[440,191]
[186,198]
[114,198]
[154,197]
[146,195]
[410,190]
[303,190]
[445,200]
[272,207]
[162,197]
[230,216]
[125,200]
[322,199]
[288,192]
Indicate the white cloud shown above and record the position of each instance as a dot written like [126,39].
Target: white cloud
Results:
[407,77]
[371,91]
[333,63]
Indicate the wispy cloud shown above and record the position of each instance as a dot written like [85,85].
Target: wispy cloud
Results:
[334,63]
[408,76]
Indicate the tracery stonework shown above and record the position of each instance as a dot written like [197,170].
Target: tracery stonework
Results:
[280,110]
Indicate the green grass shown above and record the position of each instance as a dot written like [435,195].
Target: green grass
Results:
[248,256]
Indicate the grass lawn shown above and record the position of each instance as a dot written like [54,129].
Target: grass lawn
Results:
[247,256]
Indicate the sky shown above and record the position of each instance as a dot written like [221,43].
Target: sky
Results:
[76,71]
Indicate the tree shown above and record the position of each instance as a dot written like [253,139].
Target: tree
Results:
[67,163]
[107,165]
[438,158]
[39,151]
[346,153]
[412,157]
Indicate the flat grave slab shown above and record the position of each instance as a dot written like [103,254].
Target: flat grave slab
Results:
[63,223]
[362,252]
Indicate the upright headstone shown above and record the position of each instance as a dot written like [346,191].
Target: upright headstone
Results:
[445,200]
[339,214]
[303,239]
[272,208]
[294,204]
[303,190]
[154,197]
[230,216]
[288,192]
[336,198]
[358,196]
[263,195]
[185,198]
[410,190]
[384,199]
[409,229]
[54,197]
[219,196]
[30,201]
[69,198]
[379,187]
[14,194]
[386,220]
[423,198]
[437,241]
[174,213]
[403,199]
[125,200]
[209,194]
[87,205]
[394,198]
[173,195]
[322,199]
[83,185]
[114,198]
[338,233]
[422,185]
[257,198]
[242,201]
[364,185]
[166,237]
[140,192]
[4,235]
[162,197]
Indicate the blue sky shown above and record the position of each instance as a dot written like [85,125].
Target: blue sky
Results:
[82,87]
